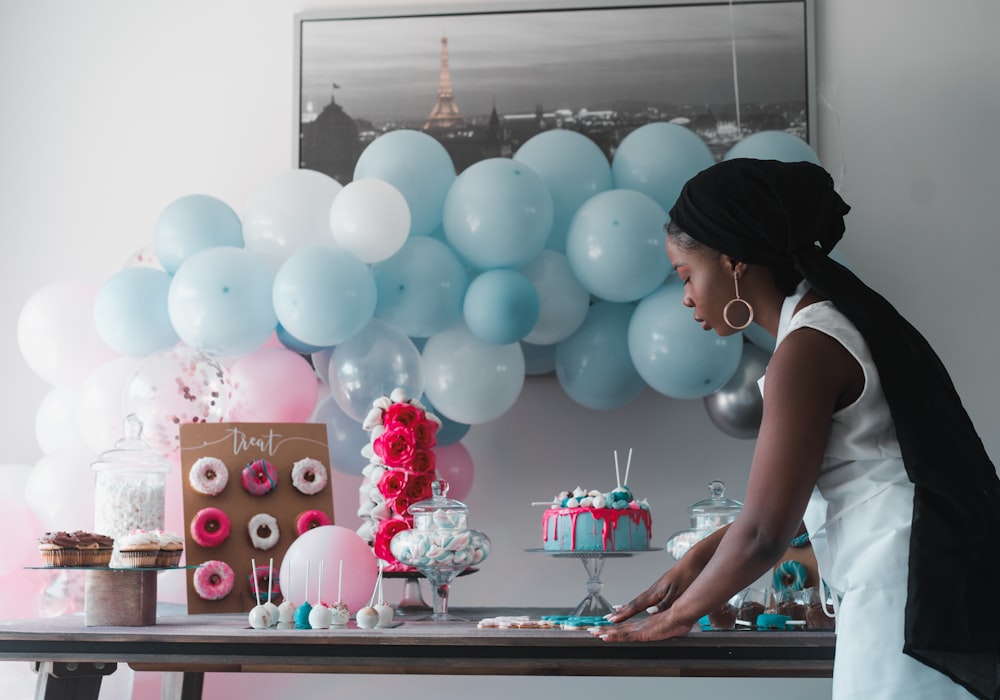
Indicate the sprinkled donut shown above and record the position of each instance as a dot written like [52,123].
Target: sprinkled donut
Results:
[262,574]
[309,476]
[209,476]
[790,575]
[210,527]
[264,531]
[259,477]
[307,520]
[213,580]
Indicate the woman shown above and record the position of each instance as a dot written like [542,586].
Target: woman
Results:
[863,437]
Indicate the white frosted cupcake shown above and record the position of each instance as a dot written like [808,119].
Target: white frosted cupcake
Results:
[138,549]
[171,548]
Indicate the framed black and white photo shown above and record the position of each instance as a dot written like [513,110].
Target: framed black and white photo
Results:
[484,80]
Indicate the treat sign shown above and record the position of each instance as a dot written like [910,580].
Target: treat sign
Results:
[276,485]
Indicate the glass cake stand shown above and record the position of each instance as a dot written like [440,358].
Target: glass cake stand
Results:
[411,604]
[594,604]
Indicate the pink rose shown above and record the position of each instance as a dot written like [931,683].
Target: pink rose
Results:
[387,529]
[395,446]
[401,414]
[400,504]
[425,433]
[418,488]
[392,483]
[423,462]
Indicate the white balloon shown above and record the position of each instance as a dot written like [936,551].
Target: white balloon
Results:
[55,419]
[100,405]
[563,301]
[371,219]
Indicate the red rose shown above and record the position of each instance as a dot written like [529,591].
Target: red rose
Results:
[423,462]
[392,483]
[418,488]
[399,504]
[387,529]
[425,433]
[401,414]
[395,446]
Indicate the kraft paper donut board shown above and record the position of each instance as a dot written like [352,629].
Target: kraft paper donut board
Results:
[237,445]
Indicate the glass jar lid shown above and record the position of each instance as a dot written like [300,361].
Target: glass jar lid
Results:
[716,510]
[439,511]
[131,453]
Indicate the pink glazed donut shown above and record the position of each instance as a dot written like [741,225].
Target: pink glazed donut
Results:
[210,527]
[259,477]
[214,580]
[308,519]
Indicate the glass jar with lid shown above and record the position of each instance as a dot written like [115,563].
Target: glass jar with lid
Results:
[130,489]
[440,544]
[707,516]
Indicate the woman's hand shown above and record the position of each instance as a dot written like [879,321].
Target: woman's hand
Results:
[658,626]
[658,597]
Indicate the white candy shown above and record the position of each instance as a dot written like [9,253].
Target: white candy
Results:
[259,617]
[382,402]
[385,613]
[398,395]
[373,418]
[599,501]
[126,505]
[367,617]
[586,502]
[320,617]
[578,492]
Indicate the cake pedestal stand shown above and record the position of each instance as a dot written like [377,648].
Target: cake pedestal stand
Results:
[594,604]
[412,605]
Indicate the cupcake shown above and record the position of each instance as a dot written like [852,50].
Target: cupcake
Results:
[171,547]
[139,548]
[95,549]
[58,549]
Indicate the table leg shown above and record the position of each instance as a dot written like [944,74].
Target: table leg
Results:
[70,681]
[177,685]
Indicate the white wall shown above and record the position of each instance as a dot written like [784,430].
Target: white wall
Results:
[111,109]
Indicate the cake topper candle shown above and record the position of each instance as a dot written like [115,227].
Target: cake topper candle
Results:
[628,464]
[618,477]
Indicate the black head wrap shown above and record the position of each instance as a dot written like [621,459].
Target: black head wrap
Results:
[776,214]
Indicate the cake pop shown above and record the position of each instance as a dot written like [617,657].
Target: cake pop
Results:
[286,611]
[340,613]
[385,612]
[259,616]
[271,607]
[302,612]
[320,615]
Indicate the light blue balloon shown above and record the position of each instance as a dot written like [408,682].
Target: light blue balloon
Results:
[501,306]
[773,145]
[498,213]
[321,363]
[193,223]
[371,364]
[469,380]
[220,301]
[293,343]
[538,359]
[673,353]
[421,287]
[658,158]
[344,436]
[574,168]
[563,301]
[593,365]
[450,431]
[324,295]
[617,246]
[130,312]
[418,166]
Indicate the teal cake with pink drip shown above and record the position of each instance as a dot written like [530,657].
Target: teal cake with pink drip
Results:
[593,521]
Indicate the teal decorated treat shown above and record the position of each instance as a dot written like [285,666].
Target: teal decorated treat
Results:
[594,521]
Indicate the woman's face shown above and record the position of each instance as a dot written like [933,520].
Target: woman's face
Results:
[708,284]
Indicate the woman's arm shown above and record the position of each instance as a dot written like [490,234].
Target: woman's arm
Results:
[809,377]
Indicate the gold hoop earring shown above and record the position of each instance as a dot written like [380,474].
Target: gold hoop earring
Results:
[741,300]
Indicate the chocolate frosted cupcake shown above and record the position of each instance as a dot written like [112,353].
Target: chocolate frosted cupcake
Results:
[58,549]
[95,549]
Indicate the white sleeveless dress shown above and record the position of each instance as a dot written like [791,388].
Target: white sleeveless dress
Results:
[858,519]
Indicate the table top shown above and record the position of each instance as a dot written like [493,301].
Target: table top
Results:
[225,642]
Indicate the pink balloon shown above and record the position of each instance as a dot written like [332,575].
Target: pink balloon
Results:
[454,465]
[273,385]
[24,587]
[57,334]
[329,544]
[21,548]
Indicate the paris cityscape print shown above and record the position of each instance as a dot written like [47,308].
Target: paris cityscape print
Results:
[483,83]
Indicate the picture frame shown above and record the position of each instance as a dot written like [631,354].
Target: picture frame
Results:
[484,80]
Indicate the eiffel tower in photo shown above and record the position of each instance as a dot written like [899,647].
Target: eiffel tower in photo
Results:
[445,114]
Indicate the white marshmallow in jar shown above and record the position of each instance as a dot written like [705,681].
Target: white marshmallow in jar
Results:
[130,488]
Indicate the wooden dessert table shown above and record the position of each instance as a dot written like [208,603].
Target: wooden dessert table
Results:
[71,658]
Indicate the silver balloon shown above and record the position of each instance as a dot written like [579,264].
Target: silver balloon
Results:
[737,408]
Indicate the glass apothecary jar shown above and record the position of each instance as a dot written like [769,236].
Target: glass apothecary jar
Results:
[707,516]
[131,482]
[440,544]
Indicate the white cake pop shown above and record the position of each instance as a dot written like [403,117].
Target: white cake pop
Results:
[319,616]
[367,617]
[341,614]
[259,617]
[272,608]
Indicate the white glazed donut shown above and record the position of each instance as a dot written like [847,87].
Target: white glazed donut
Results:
[309,476]
[209,476]
[264,531]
